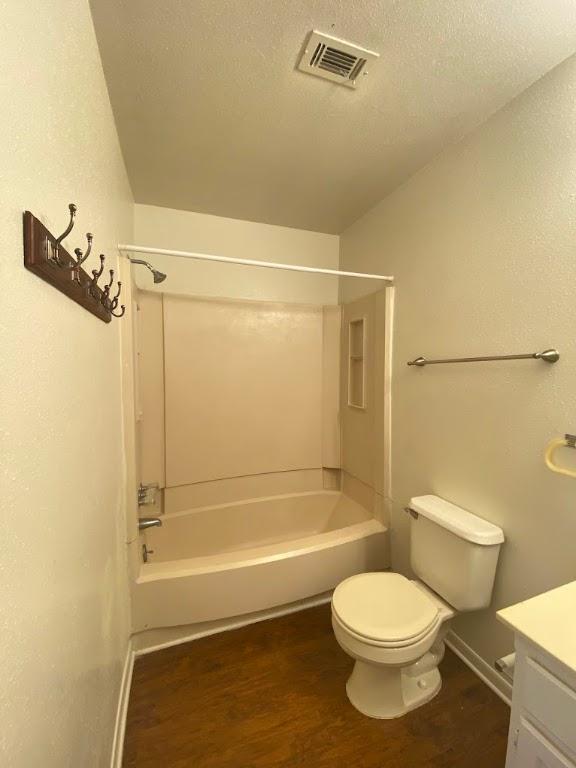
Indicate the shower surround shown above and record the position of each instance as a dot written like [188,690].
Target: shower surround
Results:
[243,405]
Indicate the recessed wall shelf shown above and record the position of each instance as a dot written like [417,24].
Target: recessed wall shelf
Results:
[357,363]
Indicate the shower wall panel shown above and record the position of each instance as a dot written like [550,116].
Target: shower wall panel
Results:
[331,387]
[150,387]
[243,388]
[363,428]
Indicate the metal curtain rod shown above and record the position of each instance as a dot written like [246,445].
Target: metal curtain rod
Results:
[548,356]
[250,262]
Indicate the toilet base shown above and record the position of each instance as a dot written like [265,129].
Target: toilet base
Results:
[387,692]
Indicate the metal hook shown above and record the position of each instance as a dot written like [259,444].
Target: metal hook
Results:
[89,238]
[72,208]
[81,258]
[114,302]
[96,276]
[105,298]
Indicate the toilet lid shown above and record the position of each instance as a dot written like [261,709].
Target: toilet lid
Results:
[384,606]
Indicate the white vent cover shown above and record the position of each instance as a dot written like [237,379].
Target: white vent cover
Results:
[335,59]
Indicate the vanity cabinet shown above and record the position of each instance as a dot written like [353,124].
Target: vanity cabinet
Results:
[533,750]
[543,718]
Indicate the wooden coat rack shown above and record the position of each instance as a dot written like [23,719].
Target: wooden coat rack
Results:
[45,256]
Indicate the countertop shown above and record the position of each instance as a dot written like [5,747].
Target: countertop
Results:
[549,621]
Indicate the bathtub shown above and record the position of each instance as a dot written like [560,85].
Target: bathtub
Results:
[222,561]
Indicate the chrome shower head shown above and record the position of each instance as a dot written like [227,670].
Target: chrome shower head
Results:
[158,276]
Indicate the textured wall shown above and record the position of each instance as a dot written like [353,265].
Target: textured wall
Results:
[62,571]
[482,243]
[214,117]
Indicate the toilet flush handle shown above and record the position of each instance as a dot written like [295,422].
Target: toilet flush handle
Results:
[411,512]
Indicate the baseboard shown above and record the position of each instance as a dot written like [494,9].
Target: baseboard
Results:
[122,708]
[485,672]
[237,622]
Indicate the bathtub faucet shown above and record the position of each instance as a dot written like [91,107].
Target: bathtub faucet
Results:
[148,522]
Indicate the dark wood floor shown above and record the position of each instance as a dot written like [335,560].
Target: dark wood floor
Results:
[272,695]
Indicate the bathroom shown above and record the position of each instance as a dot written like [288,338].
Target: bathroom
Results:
[240,529]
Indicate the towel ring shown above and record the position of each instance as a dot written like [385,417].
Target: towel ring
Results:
[568,441]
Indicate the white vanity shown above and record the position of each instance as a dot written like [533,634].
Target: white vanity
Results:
[543,720]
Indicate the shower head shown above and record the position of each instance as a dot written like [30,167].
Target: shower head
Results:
[158,276]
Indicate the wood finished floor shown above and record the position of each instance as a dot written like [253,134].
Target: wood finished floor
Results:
[272,695]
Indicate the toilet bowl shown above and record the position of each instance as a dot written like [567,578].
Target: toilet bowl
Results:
[393,628]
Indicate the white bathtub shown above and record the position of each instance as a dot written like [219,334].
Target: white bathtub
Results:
[217,562]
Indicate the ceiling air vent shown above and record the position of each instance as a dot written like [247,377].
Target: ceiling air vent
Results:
[335,59]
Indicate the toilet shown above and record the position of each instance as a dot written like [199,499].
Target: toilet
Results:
[394,628]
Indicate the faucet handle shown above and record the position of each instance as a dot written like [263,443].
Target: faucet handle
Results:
[148,522]
[146,552]
[147,494]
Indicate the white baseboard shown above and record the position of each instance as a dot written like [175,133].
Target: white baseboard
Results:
[485,672]
[122,709]
[237,622]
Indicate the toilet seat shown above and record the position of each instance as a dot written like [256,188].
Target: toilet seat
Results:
[384,609]
[387,644]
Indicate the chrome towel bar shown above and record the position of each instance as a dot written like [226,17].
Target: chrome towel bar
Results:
[548,356]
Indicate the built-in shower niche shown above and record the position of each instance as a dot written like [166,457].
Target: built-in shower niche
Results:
[357,362]
[364,400]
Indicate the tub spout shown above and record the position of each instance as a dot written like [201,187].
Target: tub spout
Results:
[148,522]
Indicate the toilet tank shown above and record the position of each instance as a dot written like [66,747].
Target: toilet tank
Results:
[454,552]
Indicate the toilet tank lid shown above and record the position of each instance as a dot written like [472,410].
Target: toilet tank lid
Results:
[457,520]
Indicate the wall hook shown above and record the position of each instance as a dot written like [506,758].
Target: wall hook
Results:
[114,302]
[81,258]
[65,269]
[109,304]
[96,276]
[105,298]
[72,208]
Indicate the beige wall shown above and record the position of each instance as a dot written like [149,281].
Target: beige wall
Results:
[261,379]
[482,243]
[184,497]
[63,587]
[182,230]
[243,388]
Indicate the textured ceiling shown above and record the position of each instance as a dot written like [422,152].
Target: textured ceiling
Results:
[214,117]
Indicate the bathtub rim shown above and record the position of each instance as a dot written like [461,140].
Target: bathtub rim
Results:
[196,566]
[256,500]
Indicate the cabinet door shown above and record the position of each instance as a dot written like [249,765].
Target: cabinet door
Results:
[533,750]
[551,701]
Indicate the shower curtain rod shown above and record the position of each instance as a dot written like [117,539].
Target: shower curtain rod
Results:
[250,262]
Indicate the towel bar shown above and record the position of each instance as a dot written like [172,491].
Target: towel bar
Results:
[548,356]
